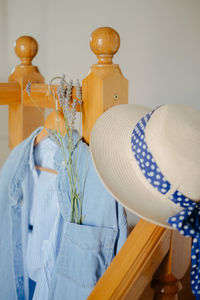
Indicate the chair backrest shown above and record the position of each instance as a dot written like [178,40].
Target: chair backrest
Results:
[149,250]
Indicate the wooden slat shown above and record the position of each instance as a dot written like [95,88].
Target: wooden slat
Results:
[132,269]
[41,96]
[9,93]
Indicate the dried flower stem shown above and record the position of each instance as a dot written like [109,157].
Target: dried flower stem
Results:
[64,94]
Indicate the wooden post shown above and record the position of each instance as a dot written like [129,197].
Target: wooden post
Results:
[105,86]
[23,120]
[167,280]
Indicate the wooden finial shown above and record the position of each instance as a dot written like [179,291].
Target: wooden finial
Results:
[104,42]
[26,48]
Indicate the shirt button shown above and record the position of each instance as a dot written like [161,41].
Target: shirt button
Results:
[30,227]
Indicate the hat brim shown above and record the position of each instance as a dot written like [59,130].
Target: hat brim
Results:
[110,146]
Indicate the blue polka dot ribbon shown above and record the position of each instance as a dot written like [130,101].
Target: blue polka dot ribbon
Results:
[186,221]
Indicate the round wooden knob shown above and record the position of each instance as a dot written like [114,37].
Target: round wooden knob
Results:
[104,42]
[26,48]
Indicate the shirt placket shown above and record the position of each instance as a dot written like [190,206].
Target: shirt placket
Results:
[15,211]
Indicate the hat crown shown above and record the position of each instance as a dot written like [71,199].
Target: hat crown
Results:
[173,137]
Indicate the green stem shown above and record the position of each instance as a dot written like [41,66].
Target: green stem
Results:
[40,110]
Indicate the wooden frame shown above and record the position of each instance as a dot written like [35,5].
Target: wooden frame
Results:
[149,250]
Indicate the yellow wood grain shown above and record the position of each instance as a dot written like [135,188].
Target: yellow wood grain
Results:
[104,87]
[10,93]
[132,269]
[41,96]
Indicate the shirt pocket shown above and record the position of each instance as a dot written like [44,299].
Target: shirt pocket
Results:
[86,252]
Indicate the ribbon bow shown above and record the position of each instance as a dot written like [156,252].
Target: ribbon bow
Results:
[187,223]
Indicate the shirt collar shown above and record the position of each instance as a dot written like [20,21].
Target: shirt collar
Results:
[42,155]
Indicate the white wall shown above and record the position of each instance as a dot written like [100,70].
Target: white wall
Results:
[159,53]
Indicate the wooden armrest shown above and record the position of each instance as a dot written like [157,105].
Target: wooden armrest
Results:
[132,269]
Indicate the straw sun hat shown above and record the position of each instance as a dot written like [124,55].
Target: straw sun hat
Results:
[149,161]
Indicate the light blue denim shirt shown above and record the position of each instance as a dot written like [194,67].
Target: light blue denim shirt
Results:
[83,251]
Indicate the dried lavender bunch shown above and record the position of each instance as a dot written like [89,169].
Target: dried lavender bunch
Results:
[64,92]
[69,108]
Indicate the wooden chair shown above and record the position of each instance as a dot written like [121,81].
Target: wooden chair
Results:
[152,255]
